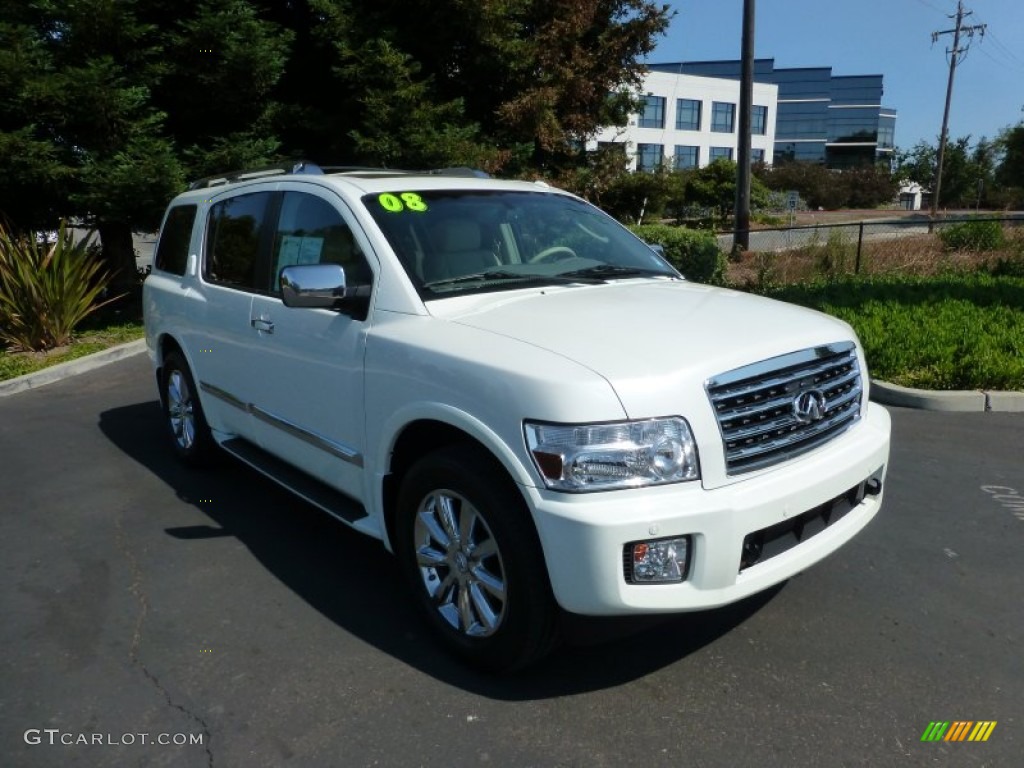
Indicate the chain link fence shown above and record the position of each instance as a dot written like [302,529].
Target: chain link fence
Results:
[908,245]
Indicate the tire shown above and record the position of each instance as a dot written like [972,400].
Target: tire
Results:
[183,413]
[470,551]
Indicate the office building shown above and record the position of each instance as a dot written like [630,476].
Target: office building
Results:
[836,120]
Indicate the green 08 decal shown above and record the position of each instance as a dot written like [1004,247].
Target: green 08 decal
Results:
[406,201]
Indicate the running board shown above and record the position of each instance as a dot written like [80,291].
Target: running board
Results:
[309,488]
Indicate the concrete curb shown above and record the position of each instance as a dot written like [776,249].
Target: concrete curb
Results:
[952,401]
[71,368]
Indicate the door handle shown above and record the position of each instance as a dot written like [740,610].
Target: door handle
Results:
[262,325]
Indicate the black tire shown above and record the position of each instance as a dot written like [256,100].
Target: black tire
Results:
[485,591]
[183,414]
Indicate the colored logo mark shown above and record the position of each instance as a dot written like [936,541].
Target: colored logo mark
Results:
[959,730]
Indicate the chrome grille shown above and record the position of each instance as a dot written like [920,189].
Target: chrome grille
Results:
[757,411]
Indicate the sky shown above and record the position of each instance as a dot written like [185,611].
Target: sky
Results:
[869,37]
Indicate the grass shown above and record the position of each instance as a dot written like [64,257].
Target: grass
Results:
[957,331]
[100,336]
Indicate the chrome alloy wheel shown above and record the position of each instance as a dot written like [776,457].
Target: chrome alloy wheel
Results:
[460,563]
[180,410]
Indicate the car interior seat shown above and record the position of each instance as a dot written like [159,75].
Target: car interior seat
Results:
[458,250]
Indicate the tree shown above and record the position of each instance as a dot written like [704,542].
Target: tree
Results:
[87,88]
[1009,174]
[964,170]
[819,186]
[107,106]
[534,73]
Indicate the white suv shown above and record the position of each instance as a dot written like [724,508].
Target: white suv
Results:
[519,398]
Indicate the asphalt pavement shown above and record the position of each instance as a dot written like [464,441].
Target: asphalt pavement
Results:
[147,603]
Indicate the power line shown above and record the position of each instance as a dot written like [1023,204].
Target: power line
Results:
[956,55]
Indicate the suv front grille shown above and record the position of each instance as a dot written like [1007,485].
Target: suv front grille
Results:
[776,409]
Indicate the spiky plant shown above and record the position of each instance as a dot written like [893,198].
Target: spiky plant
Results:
[47,288]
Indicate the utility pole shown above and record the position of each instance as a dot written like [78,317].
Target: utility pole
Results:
[956,54]
[741,235]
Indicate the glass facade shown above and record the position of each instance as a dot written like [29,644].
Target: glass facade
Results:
[758,120]
[653,115]
[852,124]
[649,156]
[687,115]
[722,116]
[756,155]
[687,157]
[836,120]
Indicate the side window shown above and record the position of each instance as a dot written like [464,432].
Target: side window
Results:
[233,241]
[172,252]
[312,231]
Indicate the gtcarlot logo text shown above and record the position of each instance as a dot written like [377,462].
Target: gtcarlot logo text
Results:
[55,737]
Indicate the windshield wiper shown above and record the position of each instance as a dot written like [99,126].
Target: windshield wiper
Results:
[615,270]
[504,274]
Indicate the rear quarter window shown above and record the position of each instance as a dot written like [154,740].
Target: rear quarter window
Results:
[175,238]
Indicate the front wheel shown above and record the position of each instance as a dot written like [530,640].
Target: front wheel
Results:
[468,547]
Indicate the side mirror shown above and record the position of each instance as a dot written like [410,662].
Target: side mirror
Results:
[316,286]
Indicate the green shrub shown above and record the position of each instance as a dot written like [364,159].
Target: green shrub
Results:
[956,331]
[695,254]
[974,235]
[47,289]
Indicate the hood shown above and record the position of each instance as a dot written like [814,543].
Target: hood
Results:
[649,337]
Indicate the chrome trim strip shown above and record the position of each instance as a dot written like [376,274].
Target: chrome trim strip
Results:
[787,419]
[783,379]
[343,452]
[773,364]
[339,450]
[738,454]
[220,394]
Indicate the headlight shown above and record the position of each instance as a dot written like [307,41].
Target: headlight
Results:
[625,454]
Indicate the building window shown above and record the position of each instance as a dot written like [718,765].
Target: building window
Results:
[756,156]
[722,116]
[653,115]
[687,157]
[687,115]
[759,120]
[649,156]
[720,153]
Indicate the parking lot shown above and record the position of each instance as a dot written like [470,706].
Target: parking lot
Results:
[217,621]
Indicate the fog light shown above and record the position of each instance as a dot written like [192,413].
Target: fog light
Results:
[659,561]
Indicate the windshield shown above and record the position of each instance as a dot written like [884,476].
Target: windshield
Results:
[454,242]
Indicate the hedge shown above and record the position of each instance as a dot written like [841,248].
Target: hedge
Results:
[694,253]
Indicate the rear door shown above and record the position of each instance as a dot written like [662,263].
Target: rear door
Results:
[234,271]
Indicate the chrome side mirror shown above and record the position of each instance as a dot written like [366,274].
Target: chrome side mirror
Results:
[318,286]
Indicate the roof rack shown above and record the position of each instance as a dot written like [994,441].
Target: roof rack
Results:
[460,171]
[291,167]
[304,167]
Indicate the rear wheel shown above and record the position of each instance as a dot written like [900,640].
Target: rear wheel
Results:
[469,549]
[183,413]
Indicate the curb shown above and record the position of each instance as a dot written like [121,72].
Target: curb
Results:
[61,371]
[962,401]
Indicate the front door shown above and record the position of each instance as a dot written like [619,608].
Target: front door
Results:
[307,376]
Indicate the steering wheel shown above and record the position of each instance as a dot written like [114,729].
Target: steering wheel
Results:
[554,253]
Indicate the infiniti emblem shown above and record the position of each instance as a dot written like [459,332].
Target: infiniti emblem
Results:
[809,406]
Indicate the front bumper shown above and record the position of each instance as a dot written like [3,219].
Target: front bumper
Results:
[583,535]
